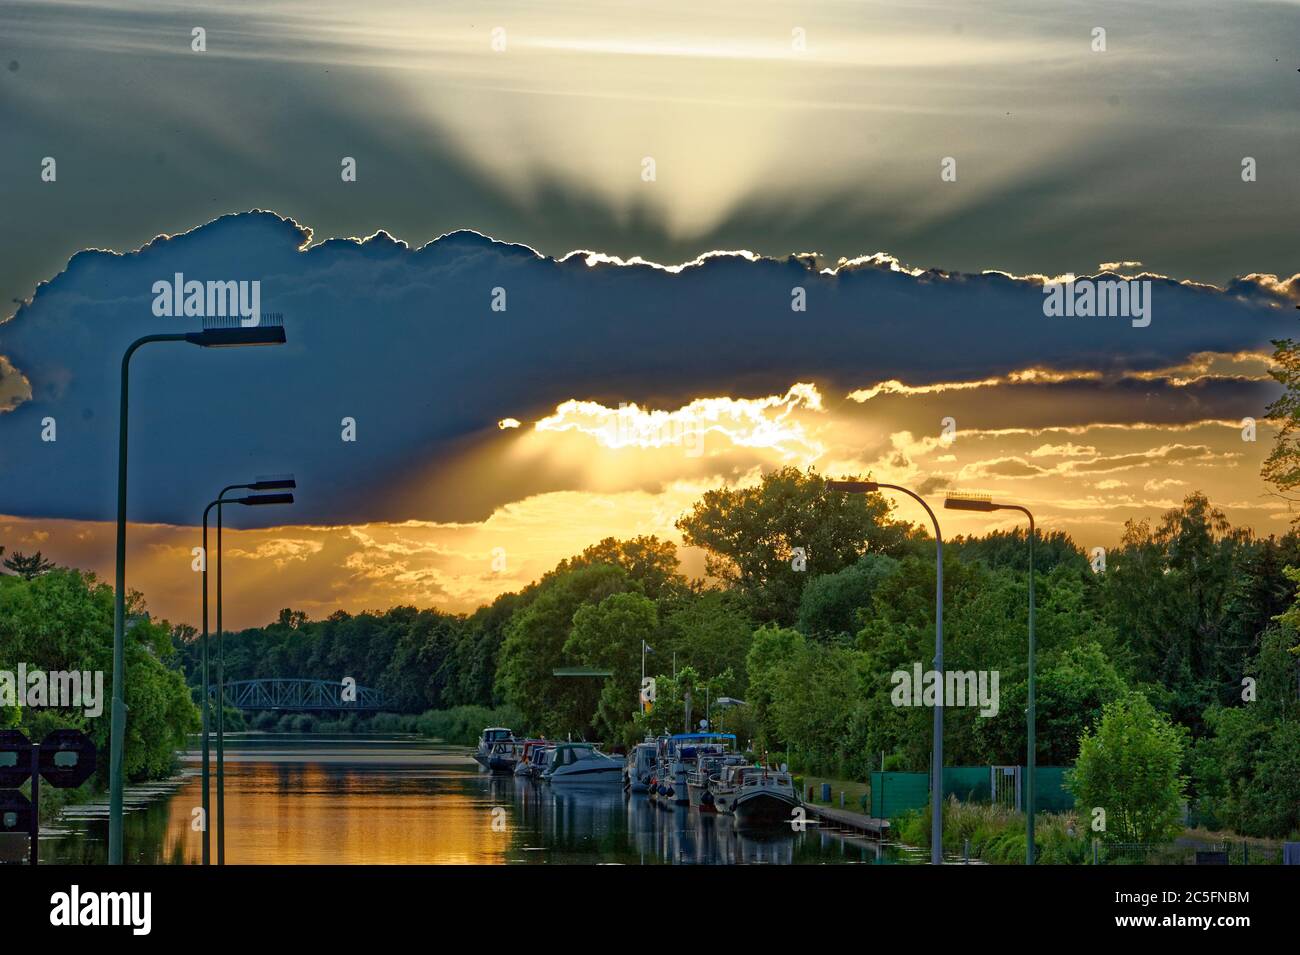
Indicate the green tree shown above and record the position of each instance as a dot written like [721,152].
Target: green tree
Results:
[650,564]
[608,636]
[1168,591]
[63,620]
[1129,766]
[534,647]
[710,632]
[754,536]
[830,604]
[771,652]
[1282,466]
[28,566]
[1247,772]
[1074,686]
[669,712]
[815,697]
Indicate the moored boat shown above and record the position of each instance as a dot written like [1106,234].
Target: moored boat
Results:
[582,763]
[640,767]
[698,786]
[755,795]
[678,755]
[496,749]
[529,754]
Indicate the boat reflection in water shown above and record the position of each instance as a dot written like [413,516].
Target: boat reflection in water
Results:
[577,823]
[366,800]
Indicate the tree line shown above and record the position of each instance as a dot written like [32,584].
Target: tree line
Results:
[1187,637]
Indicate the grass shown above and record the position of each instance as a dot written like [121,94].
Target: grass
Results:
[997,835]
[853,792]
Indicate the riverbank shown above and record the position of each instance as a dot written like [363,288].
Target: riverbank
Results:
[996,834]
[855,793]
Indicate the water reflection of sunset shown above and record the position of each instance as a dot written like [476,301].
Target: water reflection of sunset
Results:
[347,807]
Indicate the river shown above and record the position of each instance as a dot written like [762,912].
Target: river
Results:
[355,800]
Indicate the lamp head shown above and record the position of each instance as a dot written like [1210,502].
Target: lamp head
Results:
[230,332]
[969,502]
[257,499]
[853,487]
[274,482]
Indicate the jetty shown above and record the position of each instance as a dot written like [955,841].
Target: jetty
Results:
[843,819]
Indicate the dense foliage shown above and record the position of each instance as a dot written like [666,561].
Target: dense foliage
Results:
[1185,643]
[63,620]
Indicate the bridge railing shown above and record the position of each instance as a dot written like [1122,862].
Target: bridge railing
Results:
[301,695]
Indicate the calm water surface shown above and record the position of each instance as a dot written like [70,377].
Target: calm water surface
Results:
[360,800]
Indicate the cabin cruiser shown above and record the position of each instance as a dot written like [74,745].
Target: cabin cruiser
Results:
[496,749]
[755,795]
[697,780]
[582,763]
[640,767]
[678,756]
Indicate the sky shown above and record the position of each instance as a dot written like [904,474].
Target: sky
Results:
[600,258]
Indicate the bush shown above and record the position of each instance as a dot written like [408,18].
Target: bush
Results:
[997,833]
[462,724]
[1128,766]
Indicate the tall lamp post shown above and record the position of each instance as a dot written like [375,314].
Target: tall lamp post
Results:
[251,500]
[936,770]
[208,338]
[971,502]
[283,483]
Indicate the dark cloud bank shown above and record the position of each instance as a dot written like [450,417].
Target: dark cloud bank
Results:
[406,342]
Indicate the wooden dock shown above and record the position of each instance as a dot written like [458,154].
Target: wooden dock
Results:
[843,819]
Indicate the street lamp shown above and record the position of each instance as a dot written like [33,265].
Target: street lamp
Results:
[251,500]
[936,770]
[975,502]
[207,338]
[284,482]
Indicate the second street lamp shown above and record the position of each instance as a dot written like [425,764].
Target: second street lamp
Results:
[204,701]
[281,483]
[972,502]
[208,338]
[936,770]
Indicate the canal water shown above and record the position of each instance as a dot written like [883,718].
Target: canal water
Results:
[360,800]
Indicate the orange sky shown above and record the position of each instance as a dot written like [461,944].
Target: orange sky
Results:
[634,471]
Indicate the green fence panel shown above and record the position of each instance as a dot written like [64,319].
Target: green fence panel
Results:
[967,783]
[1051,794]
[893,794]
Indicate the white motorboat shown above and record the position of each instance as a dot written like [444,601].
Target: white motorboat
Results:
[582,763]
